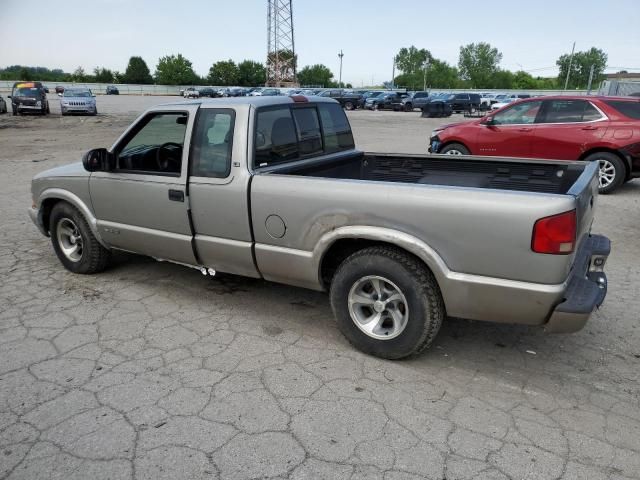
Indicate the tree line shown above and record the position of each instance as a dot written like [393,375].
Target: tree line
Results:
[478,67]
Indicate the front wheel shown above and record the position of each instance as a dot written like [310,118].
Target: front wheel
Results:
[611,173]
[75,245]
[454,149]
[348,106]
[386,302]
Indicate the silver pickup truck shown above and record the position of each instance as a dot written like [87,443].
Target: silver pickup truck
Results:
[273,188]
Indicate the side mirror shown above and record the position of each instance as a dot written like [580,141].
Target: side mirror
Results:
[98,160]
[488,120]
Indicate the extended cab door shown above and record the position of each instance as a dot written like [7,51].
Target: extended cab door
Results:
[218,190]
[141,205]
[567,129]
[511,132]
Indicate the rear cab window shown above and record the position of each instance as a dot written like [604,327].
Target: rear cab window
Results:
[628,109]
[291,132]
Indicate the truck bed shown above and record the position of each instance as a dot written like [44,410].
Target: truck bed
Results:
[477,172]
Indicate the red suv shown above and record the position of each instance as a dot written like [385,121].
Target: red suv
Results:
[603,129]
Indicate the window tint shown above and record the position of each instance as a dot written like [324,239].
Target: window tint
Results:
[570,111]
[518,114]
[337,134]
[156,145]
[308,128]
[275,140]
[212,141]
[420,95]
[628,109]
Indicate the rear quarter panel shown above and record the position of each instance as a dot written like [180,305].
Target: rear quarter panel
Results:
[475,231]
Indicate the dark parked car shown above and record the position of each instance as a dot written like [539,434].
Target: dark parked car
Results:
[415,100]
[366,95]
[29,97]
[386,101]
[461,102]
[59,89]
[3,105]
[593,129]
[348,101]
[111,90]
[208,92]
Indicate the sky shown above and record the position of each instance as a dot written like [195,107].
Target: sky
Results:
[105,33]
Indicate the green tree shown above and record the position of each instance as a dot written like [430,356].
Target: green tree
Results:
[317,75]
[137,72]
[175,70]
[251,74]
[581,66]
[79,75]
[503,79]
[103,75]
[224,73]
[478,63]
[412,60]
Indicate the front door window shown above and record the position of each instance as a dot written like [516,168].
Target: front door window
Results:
[523,113]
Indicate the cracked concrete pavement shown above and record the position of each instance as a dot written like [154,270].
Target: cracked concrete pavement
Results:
[153,371]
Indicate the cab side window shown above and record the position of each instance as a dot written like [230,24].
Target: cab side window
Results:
[210,154]
[155,145]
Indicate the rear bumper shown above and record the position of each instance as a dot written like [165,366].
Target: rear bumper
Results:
[586,287]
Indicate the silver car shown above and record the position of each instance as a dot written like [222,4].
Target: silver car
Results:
[78,100]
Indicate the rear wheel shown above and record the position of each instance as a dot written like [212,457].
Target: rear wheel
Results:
[455,149]
[348,106]
[408,107]
[76,247]
[611,173]
[386,302]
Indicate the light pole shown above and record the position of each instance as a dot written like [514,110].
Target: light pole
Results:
[566,82]
[393,75]
[340,55]
[424,77]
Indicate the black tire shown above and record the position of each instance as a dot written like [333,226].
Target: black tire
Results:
[94,257]
[348,106]
[609,160]
[95,111]
[455,147]
[14,111]
[48,109]
[408,107]
[425,306]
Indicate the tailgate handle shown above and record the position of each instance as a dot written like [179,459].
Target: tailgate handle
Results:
[176,195]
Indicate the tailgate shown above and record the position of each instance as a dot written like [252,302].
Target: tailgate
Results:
[585,192]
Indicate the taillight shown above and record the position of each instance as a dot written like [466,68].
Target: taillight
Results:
[555,234]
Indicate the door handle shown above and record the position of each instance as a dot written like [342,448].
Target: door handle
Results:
[589,128]
[524,129]
[176,195]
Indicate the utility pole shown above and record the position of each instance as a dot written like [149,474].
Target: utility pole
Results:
[393,75]
[591,72]
[340,78]
[566,82]
[424,77]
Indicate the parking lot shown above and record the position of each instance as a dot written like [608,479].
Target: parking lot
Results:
[154,371]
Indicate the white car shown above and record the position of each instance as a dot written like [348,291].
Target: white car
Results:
[257,92]
[191,92]
[503,103]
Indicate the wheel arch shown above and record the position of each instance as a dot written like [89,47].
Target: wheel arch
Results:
[625,161]
[50,197]
[455,140]
[336,246]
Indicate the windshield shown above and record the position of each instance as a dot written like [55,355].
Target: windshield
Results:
[77,93]
[25,92]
